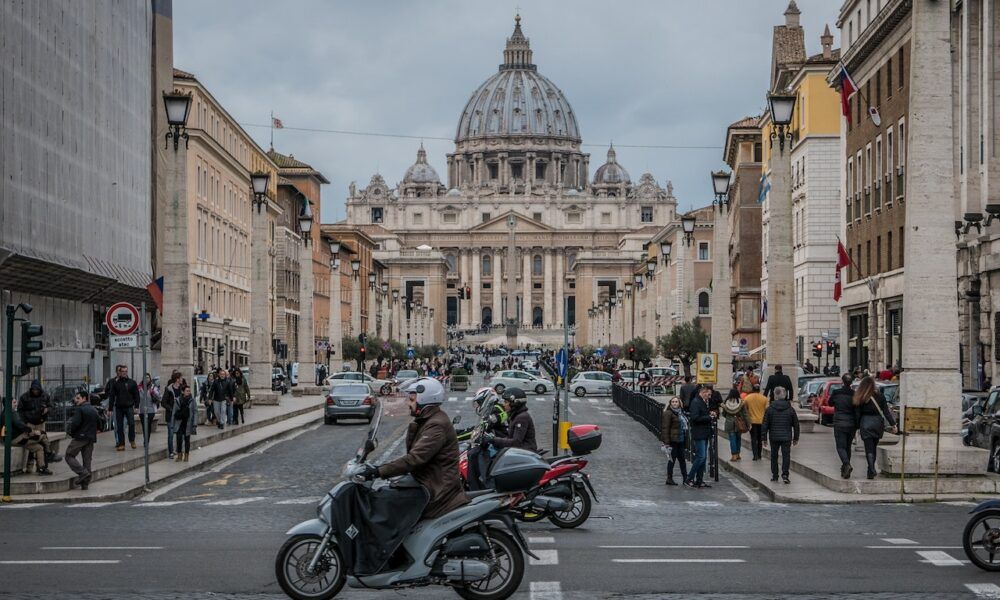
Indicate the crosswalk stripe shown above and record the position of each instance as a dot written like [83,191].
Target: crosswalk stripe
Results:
[541,540]
[235,501]
[309,500]
[985,590]
[452,399]
[545,557]
[546,590]
[94,504]
[706,503]
[539,399]
[26,505]
[898,541]
[939,558]
[593,400]
[677,560]
[163,503]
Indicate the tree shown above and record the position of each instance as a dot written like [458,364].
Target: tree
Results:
[643,349]
[351,348]
[683,343]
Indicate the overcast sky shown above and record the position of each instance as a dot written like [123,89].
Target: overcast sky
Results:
[635,72]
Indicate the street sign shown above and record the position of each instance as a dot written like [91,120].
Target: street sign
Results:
[561,361]
[122,319]
[708,367]
[599,352]
[921,420]
[116,342]
[410,353]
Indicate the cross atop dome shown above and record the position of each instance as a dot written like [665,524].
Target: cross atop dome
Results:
[517,53]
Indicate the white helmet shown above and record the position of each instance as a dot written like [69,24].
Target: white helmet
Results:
[428,390]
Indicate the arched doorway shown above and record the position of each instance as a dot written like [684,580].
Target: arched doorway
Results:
[487,317]
[536,316]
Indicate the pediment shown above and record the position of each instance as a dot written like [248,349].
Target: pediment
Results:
[523,224]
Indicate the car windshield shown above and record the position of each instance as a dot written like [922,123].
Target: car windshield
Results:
[351,389]
[406,374]
[890,392]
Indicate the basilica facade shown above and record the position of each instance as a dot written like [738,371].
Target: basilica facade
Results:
[518,231]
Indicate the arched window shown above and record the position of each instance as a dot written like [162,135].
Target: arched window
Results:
[536,265]
[487,265]
[487,319]
[703,308]
[450,259]
[536,316]
[571,260]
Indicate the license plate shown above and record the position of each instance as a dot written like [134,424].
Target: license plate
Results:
[343,402]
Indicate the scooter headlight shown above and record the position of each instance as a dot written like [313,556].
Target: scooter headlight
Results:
[323,510]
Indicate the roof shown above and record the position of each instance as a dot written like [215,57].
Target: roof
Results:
[289,161]
[183,75]
[819,59]
[745,122]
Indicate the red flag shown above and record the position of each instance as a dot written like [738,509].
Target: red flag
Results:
[843,260]
[847,89]
[276,123]
[155,289]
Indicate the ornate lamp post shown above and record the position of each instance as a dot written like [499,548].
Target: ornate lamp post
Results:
[177,105]
[260,310]
[720,184]
[687,224]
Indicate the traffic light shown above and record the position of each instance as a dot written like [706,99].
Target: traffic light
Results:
[30,346]
[818,349]
[461,293]
[829,346]
[362,352]
[194,331]
[361,338]
[631,352]
[468,292]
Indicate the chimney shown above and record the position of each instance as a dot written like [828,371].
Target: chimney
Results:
[826,40]
[792,15]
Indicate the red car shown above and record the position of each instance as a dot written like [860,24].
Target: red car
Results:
[821,403]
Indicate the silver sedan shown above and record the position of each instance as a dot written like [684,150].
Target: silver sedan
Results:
[349,400]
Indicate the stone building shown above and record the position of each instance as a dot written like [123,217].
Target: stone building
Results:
[523,233]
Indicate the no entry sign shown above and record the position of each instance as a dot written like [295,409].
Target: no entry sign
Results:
[122,319]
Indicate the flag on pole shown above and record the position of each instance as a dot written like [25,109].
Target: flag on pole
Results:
[843,260]
[276,123]
[765,187]
[155,289]
[847,89]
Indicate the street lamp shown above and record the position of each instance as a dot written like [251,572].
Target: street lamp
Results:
[385,289]
[665,248]
[306,220]
[638,280]
[687,224]
[720,183]
[371,280]
[178,106]
[650,267]
[395,295]
[781,106]
[355,266]
[628,289]
[258,185]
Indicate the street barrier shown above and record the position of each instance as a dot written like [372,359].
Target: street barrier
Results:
[639,406]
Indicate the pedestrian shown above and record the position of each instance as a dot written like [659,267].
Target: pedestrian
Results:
[185,423]
[779,379]
[208,397]
[123,397]
[873,415]
[747,381]
[242,397]
[30,438]
[701,430]
[781,429]
[846,415]
[737,417]
[149,403]
[33,408]
[168,401]
[83,431]
[688,391]
[220,398]
[756,405]
[674,431]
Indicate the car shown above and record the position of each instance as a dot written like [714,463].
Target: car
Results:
[405,374]
[384,386]
[523,380]
[662,372]
[349,399]
[591,383]
[820,404]
[534,372]
[985,429]
[809,388]
[971,398]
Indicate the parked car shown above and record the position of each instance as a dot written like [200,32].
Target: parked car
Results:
[523,380]
[662,372]
[811,387]
[591,383]
[405,374]
[349,399]
[985,429]
[971,398]
[384,386]
[820,405]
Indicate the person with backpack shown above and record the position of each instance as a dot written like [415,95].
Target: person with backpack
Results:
[185,422]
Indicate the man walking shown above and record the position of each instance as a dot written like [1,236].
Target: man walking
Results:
[123,397]
[83,430]
[220,398]
[756,405]
[701,430]
[781,428]
[778,380]
[687,391]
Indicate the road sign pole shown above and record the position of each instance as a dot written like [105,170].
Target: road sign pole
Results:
[8,391]
[143,341]
[937,451]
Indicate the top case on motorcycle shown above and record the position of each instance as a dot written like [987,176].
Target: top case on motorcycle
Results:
[371,524]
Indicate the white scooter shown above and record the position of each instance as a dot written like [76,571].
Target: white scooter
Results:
[475,549]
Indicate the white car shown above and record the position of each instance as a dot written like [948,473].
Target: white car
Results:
[662,372]
[591,382]
[382,386]
[523,380]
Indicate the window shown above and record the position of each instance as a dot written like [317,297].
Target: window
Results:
[902,254]
[418,218]
[449,217]
[758,152]
[703,251]
[888,78]
[878,88]
[494,171]
[900,66]
[536,286]
[487,286]
[877,174]
[376,214]
[517,171]
[540,171]
[868,257]
[646,214]
[703,307]
[888,166]
[536,265]
[487,265]
[537,216]
[605,218]
[574,217]
[878,254]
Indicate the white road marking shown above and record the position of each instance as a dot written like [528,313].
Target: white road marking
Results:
[235,501]
[102,547]
[593,400]
[392,448]
[913,547]
[94,504]
[539,399]
[611,414]
[939,558]
[546,590]
[633,503]
[309,500]
[752,496]
[59,562]
[452,399]
[30,505]
[571,411]
[541,540]
[705,503]
[677,560]
[984,590]
[545,557]
[574,399]
[165,503]
[898,541]
[676,547]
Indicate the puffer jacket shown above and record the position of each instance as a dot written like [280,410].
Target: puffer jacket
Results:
[781,424]
[845,414]
[521,428]
[670,426]
[731,414]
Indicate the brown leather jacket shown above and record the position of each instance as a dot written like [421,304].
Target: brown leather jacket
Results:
[432,458]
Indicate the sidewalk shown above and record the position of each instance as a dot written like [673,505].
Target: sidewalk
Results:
[815,475]
[120,475]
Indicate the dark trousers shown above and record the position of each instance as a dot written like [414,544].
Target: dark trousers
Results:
[697,472]
[786,457]
[478,466]
[844,438]
[677,455]
[183,441]
[85,448]
[146,424]
[209,412]
[871,444]
[124,417]
[238,414]
[756,441]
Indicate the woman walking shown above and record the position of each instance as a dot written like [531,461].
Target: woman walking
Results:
[734,410]
[242,399]
[845,423]
[149,403]
[185,422]
[168,400]
[874,413]
[674,431]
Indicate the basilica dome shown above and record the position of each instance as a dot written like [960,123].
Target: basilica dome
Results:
[421,171]
[517,101]
[611,172]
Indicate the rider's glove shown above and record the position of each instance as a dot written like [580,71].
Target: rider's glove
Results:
[486,439]
[369,472]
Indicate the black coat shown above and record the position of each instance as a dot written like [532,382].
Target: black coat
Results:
[701,421]
[845,414]
[687,392]
[83,424]
[123,393]
[871,422]
[778,380]
[522,432]
[32,408]
[781,424]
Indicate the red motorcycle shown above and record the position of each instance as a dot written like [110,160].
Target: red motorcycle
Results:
[564,494]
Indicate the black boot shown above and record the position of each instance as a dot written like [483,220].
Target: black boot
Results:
[871,465]
[670,474]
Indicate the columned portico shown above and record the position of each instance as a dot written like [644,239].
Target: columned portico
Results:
[547,316]
[526,287]
[476,318]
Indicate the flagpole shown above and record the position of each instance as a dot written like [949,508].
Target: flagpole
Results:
[873,292]
[272,130]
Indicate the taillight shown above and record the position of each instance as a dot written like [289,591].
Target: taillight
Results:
[329,401]
[368,401]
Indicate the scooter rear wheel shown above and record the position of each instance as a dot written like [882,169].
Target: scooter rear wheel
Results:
[578,513]
[291,567]
[981,540]
[505,577]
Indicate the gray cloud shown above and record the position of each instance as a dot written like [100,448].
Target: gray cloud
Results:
[638,72]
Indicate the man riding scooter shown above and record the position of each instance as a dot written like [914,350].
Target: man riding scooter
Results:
[520,425]
[479,456]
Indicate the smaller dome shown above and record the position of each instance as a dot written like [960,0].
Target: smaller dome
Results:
[453,192]
[611,172]
[572,192]
[421,171]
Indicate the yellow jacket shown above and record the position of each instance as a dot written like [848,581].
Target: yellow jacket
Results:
[756,405]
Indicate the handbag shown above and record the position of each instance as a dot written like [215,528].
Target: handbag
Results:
[741,424]
[885,421]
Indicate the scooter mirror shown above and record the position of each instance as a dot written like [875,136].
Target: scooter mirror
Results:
[456,420]
[370,445]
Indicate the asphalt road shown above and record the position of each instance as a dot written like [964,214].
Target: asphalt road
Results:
[214,535]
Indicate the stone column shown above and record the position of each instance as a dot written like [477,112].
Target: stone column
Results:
[547,289]
[177,351]
[560,299]
[498,315]
[463,278]
[355,305]
[336,325]
[306,337]
[930,313]
[477,287]
[722,334]
[780,270]
[526,287]
[372,309]
[260,309]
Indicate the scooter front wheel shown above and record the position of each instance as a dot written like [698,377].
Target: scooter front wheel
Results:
[291,567]
[981,540]
[506,574]
[578,512]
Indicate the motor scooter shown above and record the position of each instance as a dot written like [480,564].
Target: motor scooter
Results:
[981,538]
[374,537]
